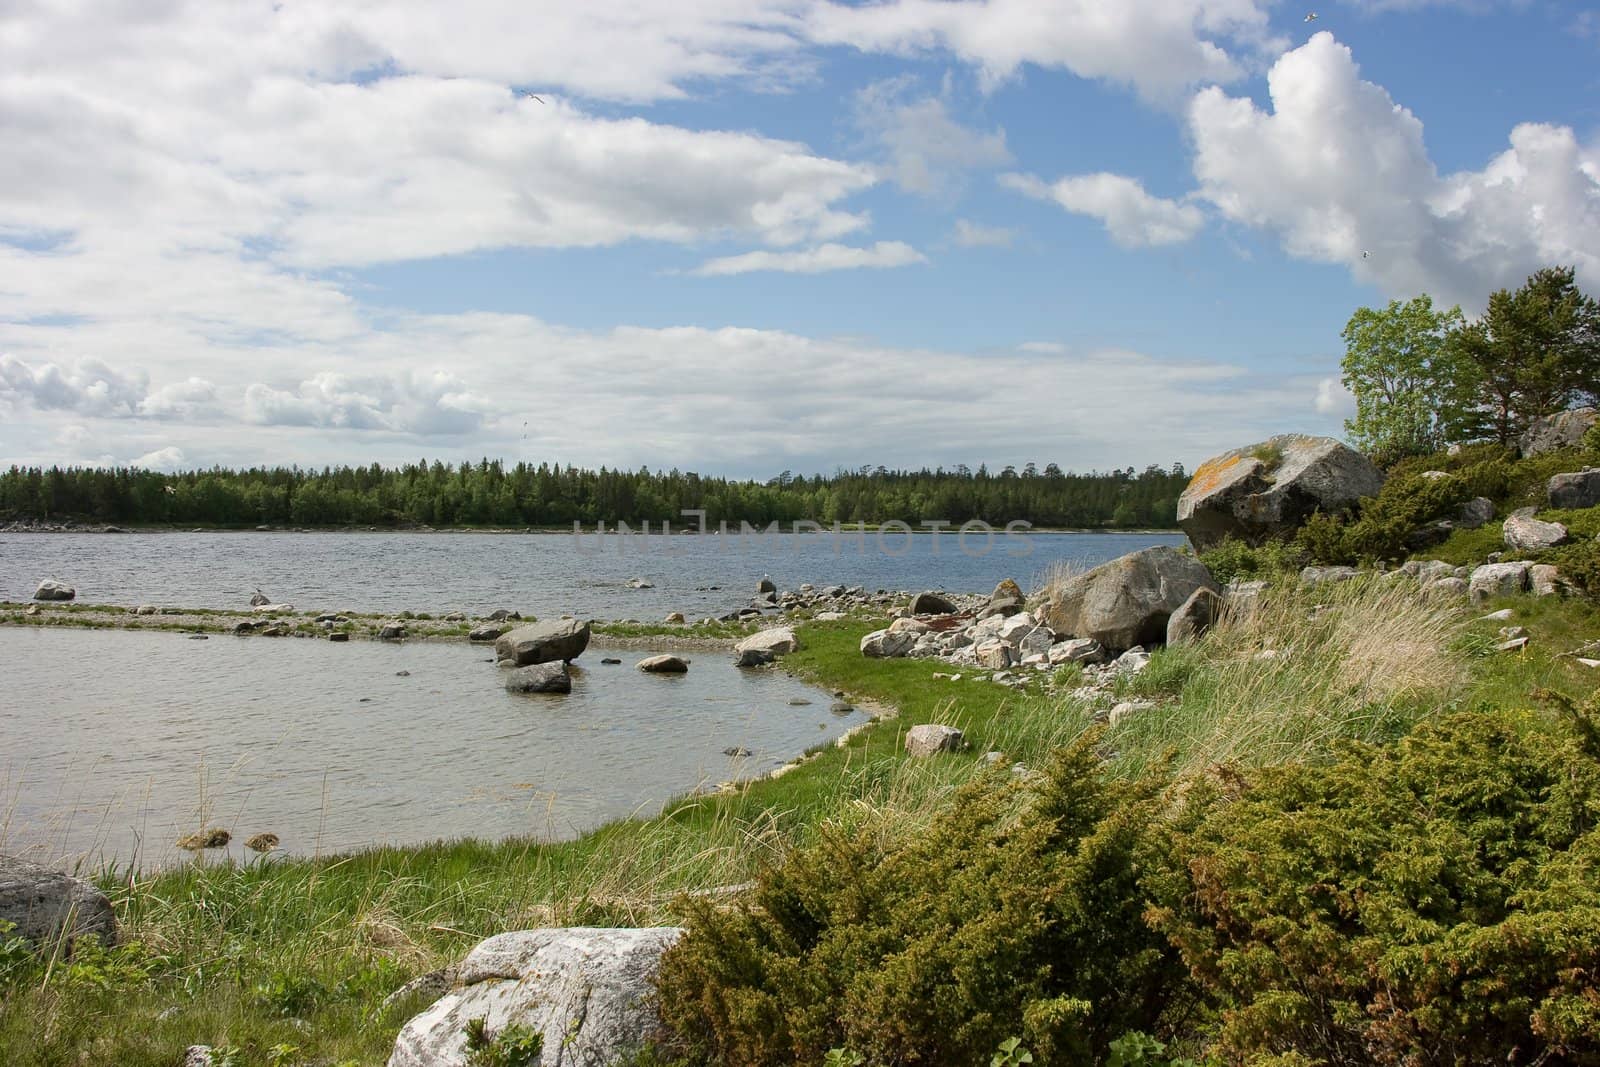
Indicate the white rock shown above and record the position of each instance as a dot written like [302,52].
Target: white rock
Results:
[1128,708]
[996,655]
[1498,579]
[931,738]
[1077,650]
[1544,580]
[1503,615]
[587,990]
[884,644]
[1528,534]
[780,641]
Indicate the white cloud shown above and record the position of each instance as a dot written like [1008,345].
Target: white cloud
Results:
[969,234]
[816,260]
[168,459]
[428,405]
[1159,47]
[1333,398]
[1132,216]
[924,148]
[1338,169]
[184,399]
[90,387]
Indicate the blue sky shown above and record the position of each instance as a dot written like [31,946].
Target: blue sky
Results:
[743,236]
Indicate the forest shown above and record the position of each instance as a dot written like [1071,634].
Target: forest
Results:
[488,493]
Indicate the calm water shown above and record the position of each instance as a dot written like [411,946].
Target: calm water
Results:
[545,574]
[115,744]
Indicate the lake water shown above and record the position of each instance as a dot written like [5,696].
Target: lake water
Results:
[546,574]
[114,744]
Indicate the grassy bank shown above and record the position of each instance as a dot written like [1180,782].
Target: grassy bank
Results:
[289,960]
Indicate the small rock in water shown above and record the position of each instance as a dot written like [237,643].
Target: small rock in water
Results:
[664,665]
[338,637]
[753,657]
[210,837]
[198,637]
[798,702]
[539,678]
[402,674]
[610,661]
[840,707]
[263,842]
[738,753]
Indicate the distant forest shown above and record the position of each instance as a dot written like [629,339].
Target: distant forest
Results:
[490,494]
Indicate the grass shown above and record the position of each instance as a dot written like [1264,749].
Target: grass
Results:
[300,953]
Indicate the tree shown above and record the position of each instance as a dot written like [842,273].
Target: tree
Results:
[1535,351]
[1414,391]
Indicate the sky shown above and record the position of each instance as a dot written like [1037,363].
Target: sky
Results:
[748,236]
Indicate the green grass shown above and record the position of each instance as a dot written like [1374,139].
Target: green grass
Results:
[302,952]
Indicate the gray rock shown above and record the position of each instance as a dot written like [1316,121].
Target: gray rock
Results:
[780,641]
[674,617]
[1449,587]
[544,642]
[1128,601]
[339,637]
[1268,490]
[996,655]
[1579,489]
[1565,429]
[1194,617]
[753,657]
[932,738]
[432,985]
[588,991]
[258,598]
[1495,579]
[487,632]
[664,665]
[887,644]
[932,604]
[540,678]
[1323,575]
[1544,580]
[46,904]
[50,589]
[1126,710]
[1524,533]
[392,631]
[1076,650]
[198,1056]
[765,586]
[1475,513]
[502,615]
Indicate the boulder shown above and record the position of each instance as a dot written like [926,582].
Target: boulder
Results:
[753,657]
[543,642]
[1128,601]
[932,604]
[780,641]
[887,644]
[1194,617]
[932,738]
[539,678]
[1474,513]
[1007,599]
[1579,489]
[674,618]
[1496,579]
[1449,587]
[49,589]
[1076,650]
[1325,575]
[1525,533]
[258,598]
[392,631]
[1268,490]
[765,586]
[587,990]
[1565,429]
[1544,580]
[487,632]
[995,655]
[664,665]
[46,904]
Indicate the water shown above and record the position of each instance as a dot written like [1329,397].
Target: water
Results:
[546,574]
[114,744]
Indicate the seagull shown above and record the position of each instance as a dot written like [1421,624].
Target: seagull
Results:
[536,96]
[1312,17]
[1365,254]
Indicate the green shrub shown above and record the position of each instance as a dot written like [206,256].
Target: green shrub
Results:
[1234,559]
[1014,912]
[516,1045]
[1434,902]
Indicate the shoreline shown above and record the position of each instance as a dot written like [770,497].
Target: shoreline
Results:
[535,531]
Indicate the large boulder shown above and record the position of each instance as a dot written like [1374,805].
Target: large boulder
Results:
[1579,489]
[49,589]
[543,642]
[931,738]
[931,603]
[1268,490]
[45,904]
[1128,601]
[1524,533]
[887,644]
[664,664]
[540,678]
[587,990]
[779,641]
[1194,617]
[1564,429]
[1496,579]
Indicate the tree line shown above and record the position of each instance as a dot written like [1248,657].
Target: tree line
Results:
[489,493]
[1424,378]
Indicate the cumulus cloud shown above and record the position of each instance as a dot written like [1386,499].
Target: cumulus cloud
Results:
[969,234]
[183,399]
[1340,173]
[1159,47]
[1132,217]
[1333,398]
[817,260]
[430,405]
[90,387]
[168,459]
[924,149]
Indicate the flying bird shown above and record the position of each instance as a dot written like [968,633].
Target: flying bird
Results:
[1365,254]
[1311,17]
[536,96]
